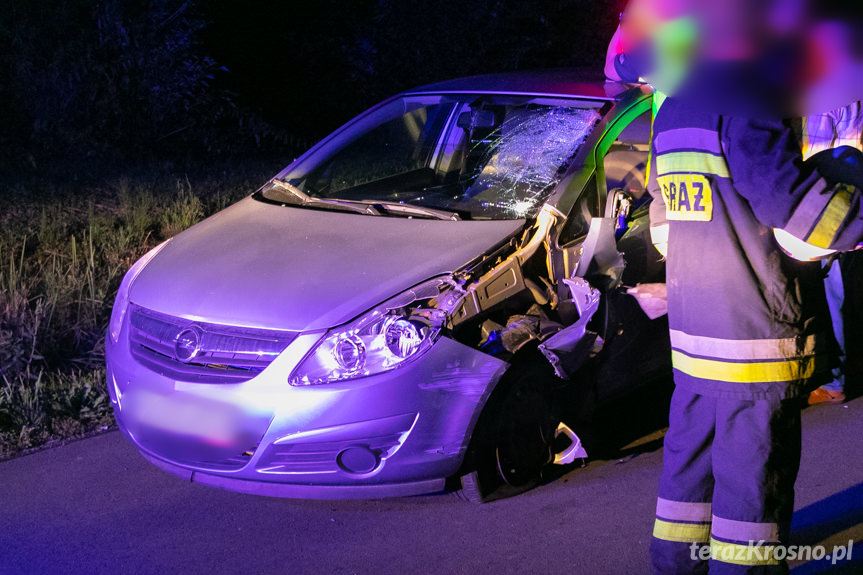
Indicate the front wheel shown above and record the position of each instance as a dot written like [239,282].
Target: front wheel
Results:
[515,437]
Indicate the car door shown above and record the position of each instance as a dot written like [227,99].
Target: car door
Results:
[635,347]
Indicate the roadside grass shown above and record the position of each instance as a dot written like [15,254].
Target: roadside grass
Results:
[63,252]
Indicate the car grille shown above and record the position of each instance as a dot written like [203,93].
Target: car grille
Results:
[222,354]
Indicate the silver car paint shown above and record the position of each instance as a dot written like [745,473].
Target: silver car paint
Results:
[267,266]
[432,403]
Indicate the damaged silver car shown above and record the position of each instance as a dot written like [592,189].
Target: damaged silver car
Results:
[407,306]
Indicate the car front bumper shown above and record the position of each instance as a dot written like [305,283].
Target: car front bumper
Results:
[400,432]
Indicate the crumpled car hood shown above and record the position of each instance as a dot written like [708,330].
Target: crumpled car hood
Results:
[260,265]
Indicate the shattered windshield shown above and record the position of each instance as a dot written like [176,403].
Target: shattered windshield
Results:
[477,157]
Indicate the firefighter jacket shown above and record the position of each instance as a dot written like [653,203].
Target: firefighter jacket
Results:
[747,321]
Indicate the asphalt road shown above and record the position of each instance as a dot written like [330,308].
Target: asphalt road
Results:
[96,506]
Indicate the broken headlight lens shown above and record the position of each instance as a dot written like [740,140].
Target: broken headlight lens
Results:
[382,339]
[403,338]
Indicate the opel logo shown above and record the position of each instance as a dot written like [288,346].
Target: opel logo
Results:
[187,344]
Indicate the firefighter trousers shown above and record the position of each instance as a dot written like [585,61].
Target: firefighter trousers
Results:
[726,494]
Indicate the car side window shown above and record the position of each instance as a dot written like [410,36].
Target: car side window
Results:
[625,163]
[401,146]
[624,166]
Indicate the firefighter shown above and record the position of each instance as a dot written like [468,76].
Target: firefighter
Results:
[750,331]
[840,127]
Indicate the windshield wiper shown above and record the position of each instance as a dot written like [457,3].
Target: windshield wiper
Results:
[306,200]
[369,207]
[413,210]
[291,189]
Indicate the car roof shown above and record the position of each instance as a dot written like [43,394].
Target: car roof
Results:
[576,82]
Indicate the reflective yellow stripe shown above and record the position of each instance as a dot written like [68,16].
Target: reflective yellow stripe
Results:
[746,349]
[809,210]
[681,532]
[801,368]
[737,554]
[833,216]
[805,143]
[697,162]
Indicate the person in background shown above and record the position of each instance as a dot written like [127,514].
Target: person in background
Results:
[818,132]
[835,61]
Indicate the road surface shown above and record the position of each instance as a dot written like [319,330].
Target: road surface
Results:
[95,506]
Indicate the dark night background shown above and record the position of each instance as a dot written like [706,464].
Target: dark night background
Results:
[86,84]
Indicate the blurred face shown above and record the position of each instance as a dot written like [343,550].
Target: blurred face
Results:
[787,17]
[771,53]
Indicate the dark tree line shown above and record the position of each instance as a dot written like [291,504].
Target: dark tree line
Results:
[311,65]
[107,80]
[124,80]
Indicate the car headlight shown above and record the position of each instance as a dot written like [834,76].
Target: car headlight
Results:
[382,339]
[121,302]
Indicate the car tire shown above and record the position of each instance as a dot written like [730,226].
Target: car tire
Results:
[512,442]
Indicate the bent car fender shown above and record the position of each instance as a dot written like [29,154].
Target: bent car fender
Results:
[568,349]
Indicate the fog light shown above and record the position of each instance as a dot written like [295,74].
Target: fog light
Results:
[357,460]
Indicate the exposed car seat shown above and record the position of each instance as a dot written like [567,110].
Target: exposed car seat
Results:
[626,168]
